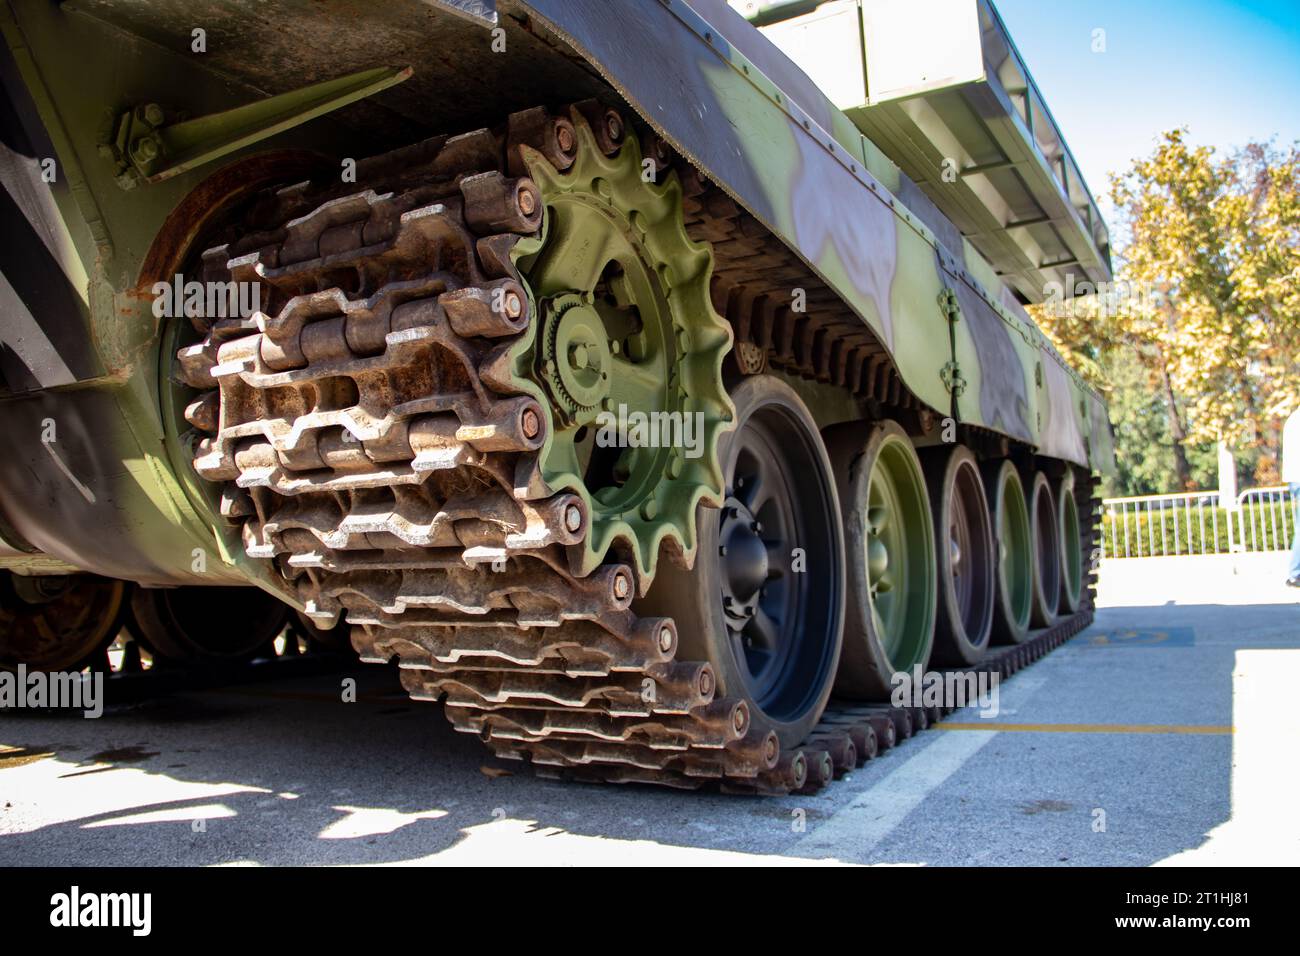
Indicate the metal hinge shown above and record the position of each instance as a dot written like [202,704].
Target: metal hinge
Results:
[952,379]
[951,372]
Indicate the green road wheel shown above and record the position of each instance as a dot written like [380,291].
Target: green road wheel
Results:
[58,622]
[1014,591]
[964,553]
[764,603]
[889,548]
[1071,544]
[1046,538]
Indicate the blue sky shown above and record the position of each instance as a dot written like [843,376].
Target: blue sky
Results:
[1230,72]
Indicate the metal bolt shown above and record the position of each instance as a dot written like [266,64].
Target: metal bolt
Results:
[153,114]
[665,638]
[564,137]
[146,149]
[514,305]
[532,423]
[527,201]
[740,718]
[614,126]
[706,683]
[573,517]
[622,586]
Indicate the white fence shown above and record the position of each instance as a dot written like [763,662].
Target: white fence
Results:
[1261,519]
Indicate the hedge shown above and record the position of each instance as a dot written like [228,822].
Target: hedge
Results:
[1199,538]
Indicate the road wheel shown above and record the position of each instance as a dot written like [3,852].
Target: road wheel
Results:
[1014,590]
[1067,508]
[206,625]
[1046,539]
[889,546]
[964,555]
[58,622]
[765,601]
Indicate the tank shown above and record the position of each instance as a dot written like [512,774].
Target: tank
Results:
[652,380]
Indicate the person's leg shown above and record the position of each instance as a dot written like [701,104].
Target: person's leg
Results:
[1293,573]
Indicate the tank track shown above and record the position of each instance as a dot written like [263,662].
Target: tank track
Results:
[370,441]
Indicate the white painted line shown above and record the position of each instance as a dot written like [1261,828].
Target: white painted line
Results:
[854,830]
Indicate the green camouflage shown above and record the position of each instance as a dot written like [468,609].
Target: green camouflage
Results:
[116,493]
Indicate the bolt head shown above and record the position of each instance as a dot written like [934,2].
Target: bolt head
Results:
[532,423]
[514,305]
[564,137]
[614,126]
[527,200]
[573,517]
[622,586]
[146,149]
[740,718]
[665,638]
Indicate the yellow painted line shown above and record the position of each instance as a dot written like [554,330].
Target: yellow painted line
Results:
[1091,728]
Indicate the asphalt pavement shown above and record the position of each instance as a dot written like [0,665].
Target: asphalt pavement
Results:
[1164,734]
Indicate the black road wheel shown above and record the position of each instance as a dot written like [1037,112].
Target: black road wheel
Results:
[206,625]
[1047,552]
[889,550]
[1013,593]
[964,555]
[1067,509]
[58,622]
[764,604]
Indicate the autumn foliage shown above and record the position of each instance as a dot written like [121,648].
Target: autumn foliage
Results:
[1199,340]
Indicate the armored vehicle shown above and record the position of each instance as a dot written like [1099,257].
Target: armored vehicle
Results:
[651,379]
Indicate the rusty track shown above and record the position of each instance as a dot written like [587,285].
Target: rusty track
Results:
[370,441]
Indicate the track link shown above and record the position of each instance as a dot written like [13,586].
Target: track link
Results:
[370,441]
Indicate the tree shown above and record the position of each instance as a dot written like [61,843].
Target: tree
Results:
[1204,322]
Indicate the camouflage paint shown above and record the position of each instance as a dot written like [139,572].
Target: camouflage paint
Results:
[801,167]
[713,86]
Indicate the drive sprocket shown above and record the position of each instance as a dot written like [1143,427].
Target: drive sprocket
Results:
[627,356]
